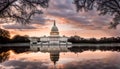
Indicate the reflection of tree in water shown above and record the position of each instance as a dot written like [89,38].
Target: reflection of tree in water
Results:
[5,52]
[15,49]
[93,48]
[4,56]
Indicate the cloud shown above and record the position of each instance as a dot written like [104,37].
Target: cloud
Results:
[92,64]
[80,19]
[39,19]
[104,63]
[18,26]
[19,64]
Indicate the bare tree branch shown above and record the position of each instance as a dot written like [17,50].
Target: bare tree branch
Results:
[21,11]
[111,7]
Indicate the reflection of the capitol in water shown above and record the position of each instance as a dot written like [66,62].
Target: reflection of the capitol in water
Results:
[54,51]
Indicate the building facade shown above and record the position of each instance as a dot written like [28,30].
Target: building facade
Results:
[54,38]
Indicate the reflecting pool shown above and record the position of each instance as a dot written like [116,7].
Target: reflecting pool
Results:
[61,57]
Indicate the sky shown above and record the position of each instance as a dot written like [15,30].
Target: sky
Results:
[69,22]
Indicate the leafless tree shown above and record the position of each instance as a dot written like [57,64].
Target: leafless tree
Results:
[4,56]
[21,10]
[111,7]
[4,33]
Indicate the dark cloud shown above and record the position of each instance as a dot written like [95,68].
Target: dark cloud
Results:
[64,5]
[39,19]
[65,9]
[60,8]
[18,26]
[18,64]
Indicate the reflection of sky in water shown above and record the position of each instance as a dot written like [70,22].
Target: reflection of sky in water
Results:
[68,60]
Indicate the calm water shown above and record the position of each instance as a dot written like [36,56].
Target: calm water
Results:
[55,57]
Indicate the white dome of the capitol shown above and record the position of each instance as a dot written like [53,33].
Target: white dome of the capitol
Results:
[54,30]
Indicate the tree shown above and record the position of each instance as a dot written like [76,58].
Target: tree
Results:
[4,33]
[4,56]
[21,10]
[19,39]
[111,7]
[4,36]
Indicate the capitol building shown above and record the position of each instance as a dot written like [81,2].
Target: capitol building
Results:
[54,38]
